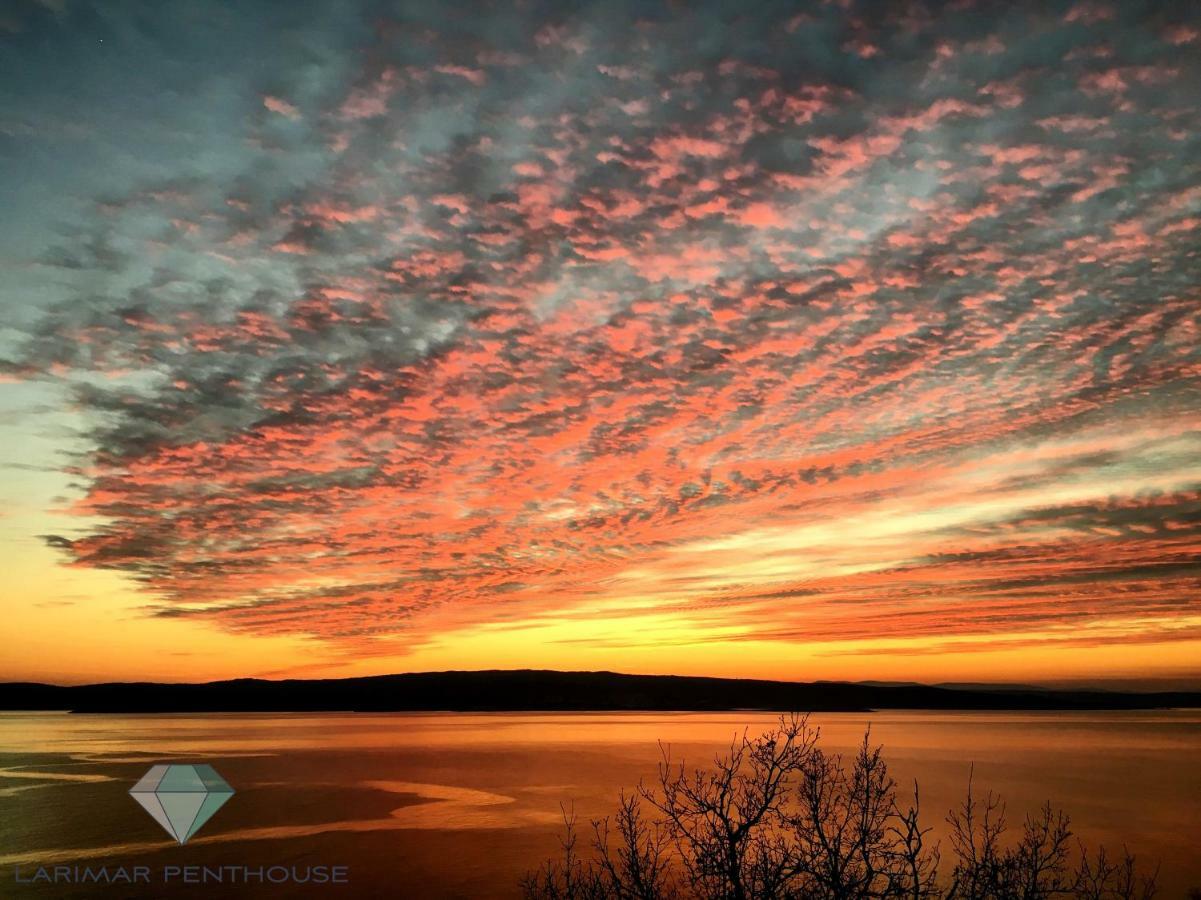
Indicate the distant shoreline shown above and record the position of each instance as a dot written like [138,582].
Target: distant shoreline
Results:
[533,691]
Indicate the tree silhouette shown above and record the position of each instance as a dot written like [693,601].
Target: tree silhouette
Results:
[778,818]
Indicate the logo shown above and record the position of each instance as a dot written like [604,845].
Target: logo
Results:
[181,797]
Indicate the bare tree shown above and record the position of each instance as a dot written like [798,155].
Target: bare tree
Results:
[976,830]
[779,819]
[634,866]
[727,823]
[637,866]
[917,864]
[1101,879]
[1034,869]
[568,879]
[849,834]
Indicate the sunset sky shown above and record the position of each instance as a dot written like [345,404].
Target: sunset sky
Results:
[842,340]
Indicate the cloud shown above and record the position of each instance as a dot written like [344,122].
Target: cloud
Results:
[281,106]
[894,334]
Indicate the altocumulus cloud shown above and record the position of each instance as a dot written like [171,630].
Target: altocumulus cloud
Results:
[823,322]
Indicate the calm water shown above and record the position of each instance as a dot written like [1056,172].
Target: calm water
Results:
[461,805]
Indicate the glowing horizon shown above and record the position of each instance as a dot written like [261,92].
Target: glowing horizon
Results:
[802,344]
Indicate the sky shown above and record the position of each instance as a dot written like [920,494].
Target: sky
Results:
[837,340]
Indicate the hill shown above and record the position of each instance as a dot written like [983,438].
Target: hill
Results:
[539,690]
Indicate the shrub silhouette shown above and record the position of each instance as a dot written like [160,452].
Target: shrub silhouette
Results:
[780,818]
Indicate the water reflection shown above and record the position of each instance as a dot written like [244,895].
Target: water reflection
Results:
[427,783]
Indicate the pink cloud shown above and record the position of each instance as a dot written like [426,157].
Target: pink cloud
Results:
[371,101]
[475,76]
[280,106]
[760,215]
[677,147]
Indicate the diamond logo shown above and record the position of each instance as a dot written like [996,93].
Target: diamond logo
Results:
[181,797]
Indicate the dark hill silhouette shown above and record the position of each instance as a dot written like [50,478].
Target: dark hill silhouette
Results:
[540,690]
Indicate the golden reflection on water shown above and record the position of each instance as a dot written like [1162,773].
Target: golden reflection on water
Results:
[444,808]
[1124,777]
